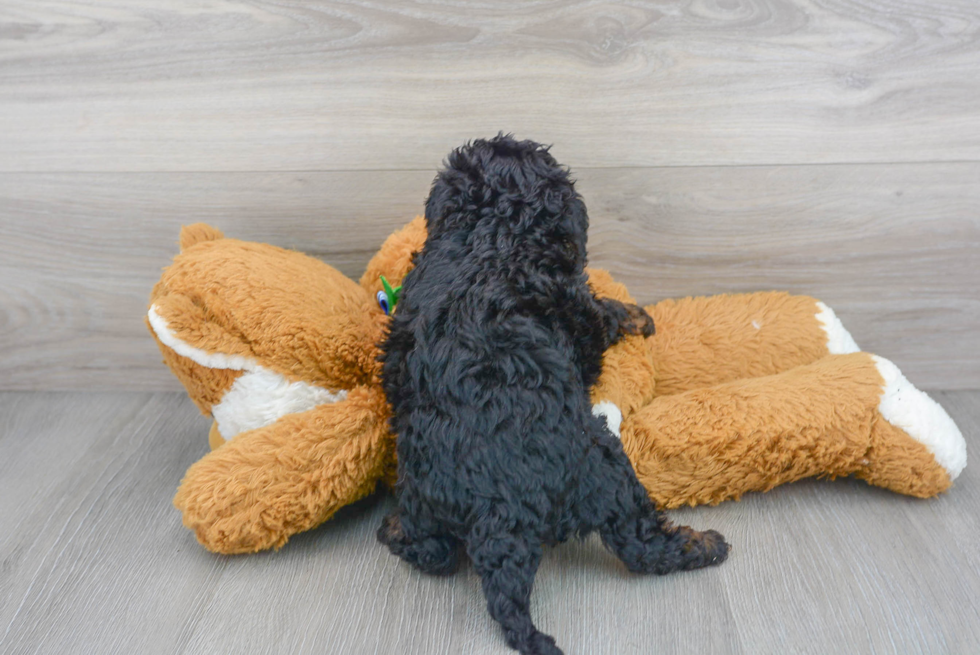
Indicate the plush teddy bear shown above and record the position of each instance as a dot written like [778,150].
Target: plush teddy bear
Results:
[734,393]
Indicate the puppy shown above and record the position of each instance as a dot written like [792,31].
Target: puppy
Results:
[492,351]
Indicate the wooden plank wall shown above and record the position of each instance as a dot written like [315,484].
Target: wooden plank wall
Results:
[819,146]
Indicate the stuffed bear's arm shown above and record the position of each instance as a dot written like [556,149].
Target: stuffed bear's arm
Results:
[270,483]
[702,342]
[699,342]
[842,415]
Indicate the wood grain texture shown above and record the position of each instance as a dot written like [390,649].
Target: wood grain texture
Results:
[87,563]
[93,559]
[894,249]
[220,85]
[81,253]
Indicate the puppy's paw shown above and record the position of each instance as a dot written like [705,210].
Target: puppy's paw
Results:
[638,321]
[433,554]
[715,547]
[391,533]
[537,644]
[706,548]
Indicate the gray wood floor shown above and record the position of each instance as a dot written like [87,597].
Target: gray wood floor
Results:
[93,559]
[827,147]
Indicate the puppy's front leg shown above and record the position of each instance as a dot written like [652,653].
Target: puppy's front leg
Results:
[597,323]
[630,319]
[588,314]
[622,319]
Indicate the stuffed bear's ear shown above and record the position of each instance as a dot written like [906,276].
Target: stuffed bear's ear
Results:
[394,259]
[198,232]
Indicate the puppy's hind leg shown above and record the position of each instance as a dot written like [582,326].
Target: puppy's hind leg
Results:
[507,564]
[435,554]
[635,531]
[648,543]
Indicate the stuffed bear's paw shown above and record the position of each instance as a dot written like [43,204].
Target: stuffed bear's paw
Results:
[920,417]
[224,525]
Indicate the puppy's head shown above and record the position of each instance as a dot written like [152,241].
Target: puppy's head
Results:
[512,194]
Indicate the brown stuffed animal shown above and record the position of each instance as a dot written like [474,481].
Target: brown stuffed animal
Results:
[733,394]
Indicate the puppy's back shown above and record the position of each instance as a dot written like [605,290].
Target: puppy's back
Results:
[480,365]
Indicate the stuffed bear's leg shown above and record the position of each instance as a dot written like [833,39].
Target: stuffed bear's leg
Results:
[267,484]
[701,342]
[842,415]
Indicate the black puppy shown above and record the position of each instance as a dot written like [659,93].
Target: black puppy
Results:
[495,344]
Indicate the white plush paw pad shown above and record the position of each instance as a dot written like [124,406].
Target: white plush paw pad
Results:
[839,340]
[608,411]
[922,418]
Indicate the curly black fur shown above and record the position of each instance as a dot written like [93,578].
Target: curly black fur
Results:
[492,351]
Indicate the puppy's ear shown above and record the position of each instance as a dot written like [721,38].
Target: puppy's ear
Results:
[574,226]
[444,202]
